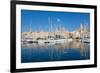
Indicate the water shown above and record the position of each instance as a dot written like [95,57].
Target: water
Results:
[74,50]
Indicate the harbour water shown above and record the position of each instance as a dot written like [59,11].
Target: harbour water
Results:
[73,50]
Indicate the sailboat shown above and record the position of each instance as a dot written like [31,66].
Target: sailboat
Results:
[56,40]
[51,40]
[85,38]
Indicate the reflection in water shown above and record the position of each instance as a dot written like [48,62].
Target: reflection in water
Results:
[74,50]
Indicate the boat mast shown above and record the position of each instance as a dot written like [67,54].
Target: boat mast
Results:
[59,26]
[50,24]
[30,27]
[50,28]
[81,31]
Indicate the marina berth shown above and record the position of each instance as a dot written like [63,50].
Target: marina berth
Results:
[60,35]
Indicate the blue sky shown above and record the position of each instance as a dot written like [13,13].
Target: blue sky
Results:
[39,20]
